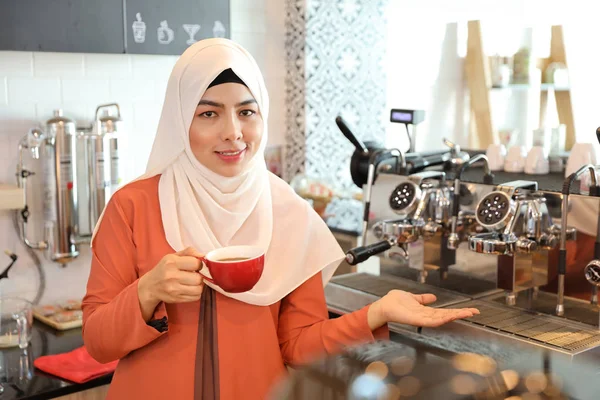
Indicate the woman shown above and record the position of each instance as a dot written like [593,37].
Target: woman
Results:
[207,187]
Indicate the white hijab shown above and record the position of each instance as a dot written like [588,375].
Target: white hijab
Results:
[207,211]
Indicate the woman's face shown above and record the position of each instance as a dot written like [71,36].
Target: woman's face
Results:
[226,129]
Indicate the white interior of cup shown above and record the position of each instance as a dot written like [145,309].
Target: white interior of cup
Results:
[249,252]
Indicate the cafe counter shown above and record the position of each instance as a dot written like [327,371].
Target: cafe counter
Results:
[21,380]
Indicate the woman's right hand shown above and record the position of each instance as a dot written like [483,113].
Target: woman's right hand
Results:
[175,279]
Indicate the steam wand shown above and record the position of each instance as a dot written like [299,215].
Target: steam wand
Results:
[562,252]
[374,160]
[488,179]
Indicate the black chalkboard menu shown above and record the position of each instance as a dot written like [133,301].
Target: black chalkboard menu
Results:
[79,26]
[111,26]
[169,27]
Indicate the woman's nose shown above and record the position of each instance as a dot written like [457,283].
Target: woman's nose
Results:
[232,129]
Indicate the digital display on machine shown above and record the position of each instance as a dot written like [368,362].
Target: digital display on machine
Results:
[401,116]
[405,116]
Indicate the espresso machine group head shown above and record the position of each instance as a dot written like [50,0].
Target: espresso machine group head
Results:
[409,201]
[369,159]
[518,224]
[422,203]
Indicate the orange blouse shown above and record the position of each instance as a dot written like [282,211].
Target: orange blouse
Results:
[254,343]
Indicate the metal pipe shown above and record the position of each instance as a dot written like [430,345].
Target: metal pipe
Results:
[473,160]
[511,227]
[366,211]
[101,106]
[373,161]
[411,139]
[36,261]
[422,203]
[453,239]
[22,175]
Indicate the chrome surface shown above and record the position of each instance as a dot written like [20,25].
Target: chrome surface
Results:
[520,246]
[379,286]
[592,275]
[499,330]
[457,157]
[401,230]
[57,145]
[541,329]
[493,243]
[592,272]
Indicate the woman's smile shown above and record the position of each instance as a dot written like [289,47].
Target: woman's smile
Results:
[231,156]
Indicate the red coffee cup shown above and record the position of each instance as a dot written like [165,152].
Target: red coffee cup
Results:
[234,269]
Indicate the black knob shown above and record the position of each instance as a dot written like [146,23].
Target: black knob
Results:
[349,135]
[25,213]
[26,174]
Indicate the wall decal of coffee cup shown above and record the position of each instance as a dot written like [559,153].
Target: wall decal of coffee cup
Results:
[139,29]
[191,29]
[165,34]
[218,29]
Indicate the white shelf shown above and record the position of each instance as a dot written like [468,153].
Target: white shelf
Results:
[11,197]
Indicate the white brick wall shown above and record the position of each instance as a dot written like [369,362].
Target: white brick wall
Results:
[32,85]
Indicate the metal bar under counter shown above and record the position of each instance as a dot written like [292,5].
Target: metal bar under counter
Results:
[500,331]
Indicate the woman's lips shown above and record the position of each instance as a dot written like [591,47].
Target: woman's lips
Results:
[231,156]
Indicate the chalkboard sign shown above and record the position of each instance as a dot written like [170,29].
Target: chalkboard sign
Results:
[171,26]
[111,26]
[62,25]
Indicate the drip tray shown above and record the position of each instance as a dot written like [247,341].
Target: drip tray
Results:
[379,286]
[541,329]
[545,303]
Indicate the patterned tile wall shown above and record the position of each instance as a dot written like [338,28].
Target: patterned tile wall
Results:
[335,50]
[295,87]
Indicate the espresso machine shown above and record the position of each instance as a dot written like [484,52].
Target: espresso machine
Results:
[421,204]
[520,231]
[417,226]
[502,231]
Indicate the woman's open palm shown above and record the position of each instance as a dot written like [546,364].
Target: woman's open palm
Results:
[406,308]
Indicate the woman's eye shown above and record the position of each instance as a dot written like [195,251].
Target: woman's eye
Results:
[247,113]
[208,114]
